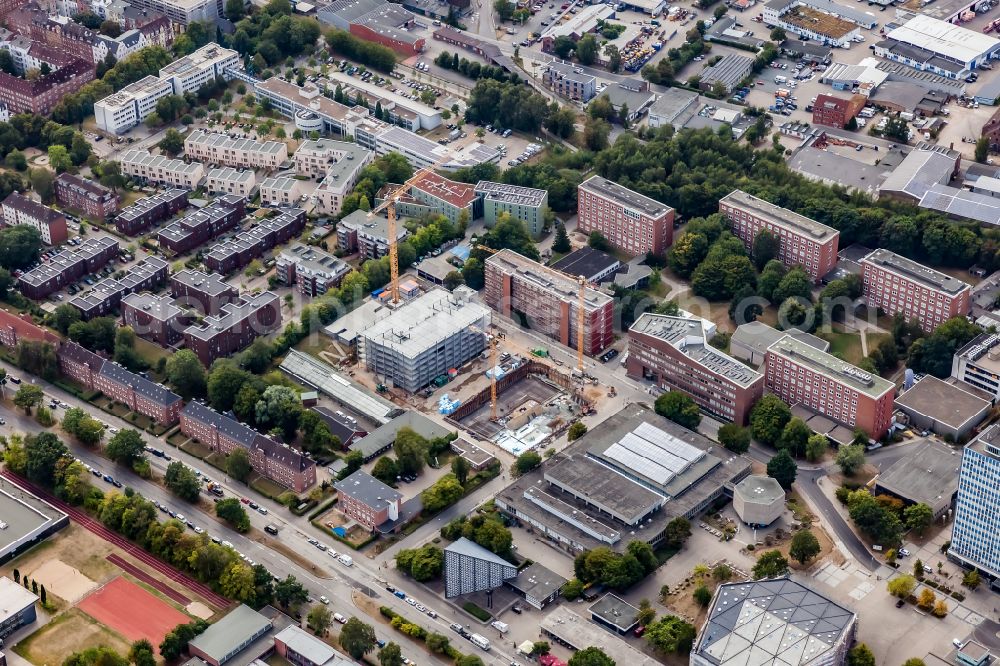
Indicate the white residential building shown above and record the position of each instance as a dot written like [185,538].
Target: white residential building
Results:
[162,170]
[121,111]
[191,72]
[280,191]
[338,163]
[228,180]
[219,148]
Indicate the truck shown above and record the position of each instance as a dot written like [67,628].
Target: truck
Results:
[346,560]
[215,489]
[480,641]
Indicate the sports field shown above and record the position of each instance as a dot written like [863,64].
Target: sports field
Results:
[132,611]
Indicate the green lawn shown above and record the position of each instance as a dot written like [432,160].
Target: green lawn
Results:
[844,345]
[150,351]
[266,486]
[196,449]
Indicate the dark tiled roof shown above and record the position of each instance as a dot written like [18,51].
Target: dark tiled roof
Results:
[144,387]
[78,354]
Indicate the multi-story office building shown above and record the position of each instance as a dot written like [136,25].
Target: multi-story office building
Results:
[227,180]
[144,213]
[278,462]
[280,191]
[314,270]
[235,327]
[368,236]
[183,12]
[190,231]
[160,170]
[673,352]
[19,209]
[140,394]
[893,283]
[248,245]
[107,294]
[801,241]
[310,109]
[124,109]
[425,338]
[527,204]
[629,221]
[68,266]
[801,374]
[434,193]
[974,540]
[570,81]
[155,318]
[368,501]
[84,195]
[220,148]
[191,72]
[338,163]
[547,300]
[411,114]
[204,292]
[978,364]
[469,568]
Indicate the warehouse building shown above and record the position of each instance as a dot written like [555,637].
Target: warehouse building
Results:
[946,409]
[425,338]
[728,73]
[927,475]
[932,45]
[28,519]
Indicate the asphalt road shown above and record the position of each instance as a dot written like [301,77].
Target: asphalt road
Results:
[325,577]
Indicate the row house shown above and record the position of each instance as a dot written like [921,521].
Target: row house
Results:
[155,318]
[204,292]
[278,462]
[68,266]
[159,170]
[144,213]
[107,294]
[255,241]
[220,148]
[195,229]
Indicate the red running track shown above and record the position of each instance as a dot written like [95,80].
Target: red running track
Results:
[118,540]
[130,568]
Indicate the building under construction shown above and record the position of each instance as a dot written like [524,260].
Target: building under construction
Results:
[425,338]
[548,301]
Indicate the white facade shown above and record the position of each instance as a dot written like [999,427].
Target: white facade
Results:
[338,163]
[218,148]
[280,191]
[121,111]
[191,72]
[162,170]
[231,181]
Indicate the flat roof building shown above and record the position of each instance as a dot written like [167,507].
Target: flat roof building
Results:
[155,318]
[220,148]
[413,114]
[674,353]
[229,636]
[148,211]
[469,568]
[577,633]
[425,338]
[191,72]
[750,341]
[434,193]
[549,300]
[773,621]
[202,225]
[343,389]
[229,255]
[304,649]
[68,266]
[758,500]
[944,48]
[801,374]
[27,518]
[595,266]
[944,408]
[614,613]
[367,235]
[975,534]
[569,81]
[141,164]
[893,283]
[124,109]
[228,180]
[927,474]
[802,241]
[204,292]
[314,270]
[237,325]
[17,607]
[630,221]
[526,204]
[538,585]
[382,438]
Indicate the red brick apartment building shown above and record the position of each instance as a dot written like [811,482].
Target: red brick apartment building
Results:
[803,375]
[51,224]
[802,241]
[190,231]
[205,292]
[144,213]
[548,299]
[630,221]
[235,327]
[68,266]
[893,283]
[140,394]
[673,352]
[86,196]
[41,95]
[278,462]
[368,501]
[14,328]
[155,318]
[836,111]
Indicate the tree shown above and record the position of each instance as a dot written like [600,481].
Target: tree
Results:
[679,408]
[782,469]
[96,656]
[595,134]
[235,10]
[411,451]
[238,464]
[237,582]
[186,374]
[860,655]
[319,619]
[540,648]
[982,149]
[804,547]
[290,592]
[590,656]
[561,242]
[794,437]
[27,396]
[671,634]
[422,564]
[597,241]
[443,493]
[734,437]
[19,246]
[43,452]
[778,34]
[677,532]
[851,458]
[765,248]
[918,517]
[702,595]
[646,613]
[586,49]
[182,481]
[390,655]
[770,564]
[796,283]
[525,462]
[913,661]
[902,586]
[353,462]
[386,470]
[231,510]
[645,555]
[576,431]
[125,447]
[460,467]
[768,418]
[84,428]
[59,158]
[971,579]
[141,653]
[279,407]
[687,253]
[357,638]
[15,159]
[816,447]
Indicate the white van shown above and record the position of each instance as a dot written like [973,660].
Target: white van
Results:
[340,618]
[346,560]
[480,641]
